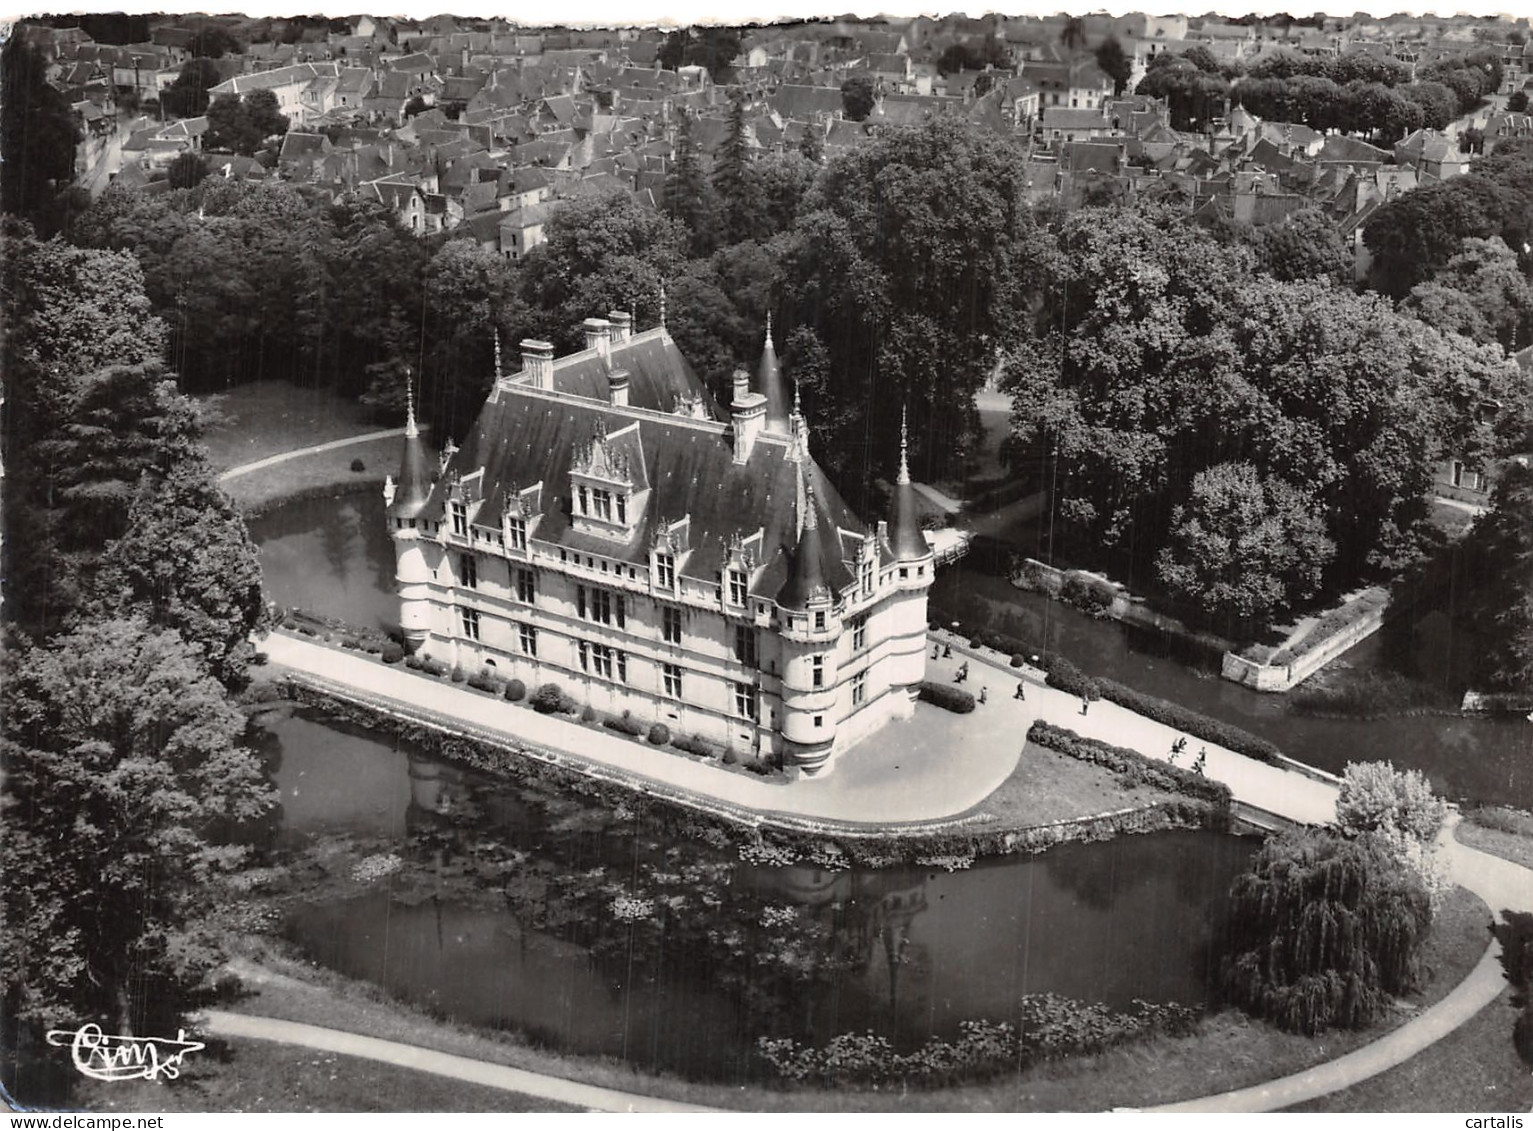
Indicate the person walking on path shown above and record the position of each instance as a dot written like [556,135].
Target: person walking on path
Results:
[984,695]
[936,650]
[947,651]
[1021,691]
[1085,704]
[963,672]
[1201,761]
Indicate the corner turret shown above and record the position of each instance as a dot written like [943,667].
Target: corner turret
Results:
[414,486]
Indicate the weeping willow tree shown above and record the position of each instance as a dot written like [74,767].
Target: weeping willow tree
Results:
[1325,930]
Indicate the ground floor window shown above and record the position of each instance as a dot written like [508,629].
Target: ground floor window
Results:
[745,701]
[672,674]
[529,639]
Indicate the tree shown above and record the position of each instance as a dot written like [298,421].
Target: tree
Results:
[1243,546]
[1072,37]
[688,195]
[1498,606]
[123,774]
[243,123]
[1481,293]
[910,258]
[1115,63]
[1325,932]
[714,48]
[38,135]
[1305,246]
[734,185]
[601,253]
[187,169]
[472,295]
[1377,798]
[188,95]
[187,561]
[1518,102]
[857,97]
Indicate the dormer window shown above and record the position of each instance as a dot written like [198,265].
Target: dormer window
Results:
[665,571]
[738,590]
[866,569]
[459,518]
[601,504]
[819,622]
[517,528]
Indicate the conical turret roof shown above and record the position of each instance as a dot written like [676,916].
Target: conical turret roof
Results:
[769,383]
[414,469]
[905,537]
[806,574]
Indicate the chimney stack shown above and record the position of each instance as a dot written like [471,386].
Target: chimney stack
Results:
[538,363]
[622,326]
[747,414]
[617,382]
[598,336]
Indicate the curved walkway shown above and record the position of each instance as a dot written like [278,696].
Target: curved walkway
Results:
[312,449]
[1503,886]
[224,1024]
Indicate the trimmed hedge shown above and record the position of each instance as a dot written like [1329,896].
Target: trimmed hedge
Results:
[484,681]
[1198,725]
[1062,674]
[697,744]
[392,653]
[625,724]
[1130,764]
[659,734]
[515,691]
[1089,596]
[954,699]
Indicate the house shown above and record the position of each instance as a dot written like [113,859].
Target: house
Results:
[1076,84]
[521,229]
[1431,154]
[296,87]
[1062,124]
[608,528]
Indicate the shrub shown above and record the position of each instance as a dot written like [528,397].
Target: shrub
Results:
[433,667]
[1062,674]
[1130,764]
[659,734]
[625,724]
[393,653]
[588,714]
[373,647]
[308,630]
[1197,725]
[758,766]
[413,662]
[954,699]
[350,643]
[1018,659]
[548,699]
[1087,594]
[1376,797]
[515,691]
[358,465]
[484,681]
[458,674]
[289,623]
[697,744]
[730,758]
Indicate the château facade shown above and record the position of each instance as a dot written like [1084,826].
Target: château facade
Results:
[608,527]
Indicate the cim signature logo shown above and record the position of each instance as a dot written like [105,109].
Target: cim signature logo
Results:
[102,1056]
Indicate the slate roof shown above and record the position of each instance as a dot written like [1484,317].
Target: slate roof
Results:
[525,436]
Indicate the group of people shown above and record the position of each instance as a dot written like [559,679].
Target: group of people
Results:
[945,651]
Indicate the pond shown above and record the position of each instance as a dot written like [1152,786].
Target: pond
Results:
[333,556]
[600,933]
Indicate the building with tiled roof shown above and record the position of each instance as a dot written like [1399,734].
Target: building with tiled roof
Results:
[607,527]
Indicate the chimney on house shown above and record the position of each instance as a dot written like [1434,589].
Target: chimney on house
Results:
[622,326]
[747,414]
[617,382]
[599,336]
[538,363]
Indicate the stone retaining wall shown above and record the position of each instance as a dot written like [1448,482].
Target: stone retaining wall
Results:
[1283,677]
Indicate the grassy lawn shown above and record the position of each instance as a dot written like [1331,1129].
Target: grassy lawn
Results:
[263,1076]
[1229,1051]
[267,417]
[1473,1068]
[316,471]
[1500,831]
[1048,786]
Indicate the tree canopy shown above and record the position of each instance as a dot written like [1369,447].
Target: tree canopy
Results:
[1325,931]
[38,135]
[122,764]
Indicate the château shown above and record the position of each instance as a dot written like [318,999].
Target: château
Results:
[608,527]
